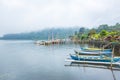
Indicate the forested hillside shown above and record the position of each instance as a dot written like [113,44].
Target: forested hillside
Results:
[42,34]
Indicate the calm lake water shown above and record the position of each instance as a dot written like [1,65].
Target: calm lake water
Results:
[23,60]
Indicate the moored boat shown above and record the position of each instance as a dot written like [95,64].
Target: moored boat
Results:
[95,49]
[80,52]
[94,58]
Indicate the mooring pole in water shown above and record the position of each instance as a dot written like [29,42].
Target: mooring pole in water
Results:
[103,48]
[112,56]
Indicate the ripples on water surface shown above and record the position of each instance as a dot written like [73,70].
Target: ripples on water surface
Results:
[23,60]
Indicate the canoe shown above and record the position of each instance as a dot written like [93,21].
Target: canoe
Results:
[94,58]
[80,52]
[95,49]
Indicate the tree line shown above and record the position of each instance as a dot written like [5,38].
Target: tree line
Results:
[103,32]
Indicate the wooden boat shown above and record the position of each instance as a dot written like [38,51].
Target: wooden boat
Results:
[80,52]
[94,58]
[95,49]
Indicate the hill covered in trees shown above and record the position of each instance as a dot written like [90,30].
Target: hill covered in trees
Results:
[59,33]
[98,33]
[42,34]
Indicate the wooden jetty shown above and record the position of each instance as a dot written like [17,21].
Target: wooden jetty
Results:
[49,42]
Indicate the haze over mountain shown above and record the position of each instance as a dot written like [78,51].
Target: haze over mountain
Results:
[31,15]
[56,33]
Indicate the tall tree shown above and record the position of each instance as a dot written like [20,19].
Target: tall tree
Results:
[91,32]
[103,33]
[82,30]
[102,27]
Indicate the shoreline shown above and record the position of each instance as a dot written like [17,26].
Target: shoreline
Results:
[101,44]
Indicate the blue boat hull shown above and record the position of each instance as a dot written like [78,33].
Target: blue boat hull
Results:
[92,53]
[75,57]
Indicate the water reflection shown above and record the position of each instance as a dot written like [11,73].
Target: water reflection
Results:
[85,66]
[22,60]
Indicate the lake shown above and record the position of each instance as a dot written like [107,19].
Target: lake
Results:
[23,60]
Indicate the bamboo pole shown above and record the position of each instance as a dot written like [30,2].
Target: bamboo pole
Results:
[112,56]
[103,48]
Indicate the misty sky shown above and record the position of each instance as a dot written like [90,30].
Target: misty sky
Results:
[30,15]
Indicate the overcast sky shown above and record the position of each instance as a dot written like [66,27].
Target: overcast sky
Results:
[30,15]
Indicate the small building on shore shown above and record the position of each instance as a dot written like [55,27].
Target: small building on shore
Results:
[118,38]
[110,38]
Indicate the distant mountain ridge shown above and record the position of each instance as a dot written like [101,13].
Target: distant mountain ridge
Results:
[42,35]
